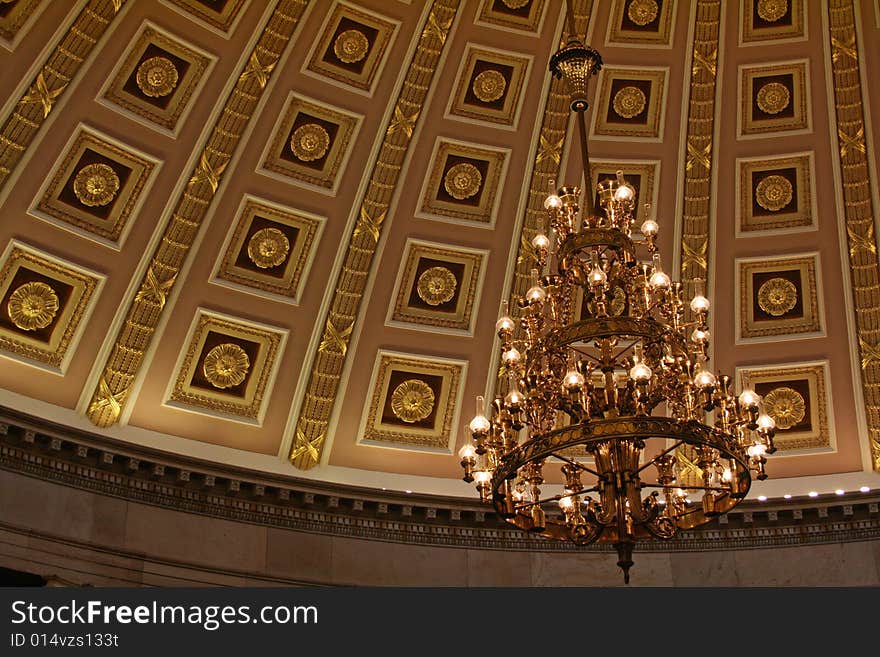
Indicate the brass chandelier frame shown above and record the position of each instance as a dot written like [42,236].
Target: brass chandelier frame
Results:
[590,386]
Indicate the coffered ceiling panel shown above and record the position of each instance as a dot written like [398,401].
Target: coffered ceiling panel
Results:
[278,233]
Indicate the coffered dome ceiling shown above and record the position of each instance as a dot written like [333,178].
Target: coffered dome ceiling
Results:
[276,234]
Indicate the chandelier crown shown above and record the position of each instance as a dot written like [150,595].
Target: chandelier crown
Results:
[606,403]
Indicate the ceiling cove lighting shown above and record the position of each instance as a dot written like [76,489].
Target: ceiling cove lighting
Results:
[604,401]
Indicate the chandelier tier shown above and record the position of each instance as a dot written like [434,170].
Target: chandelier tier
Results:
[603,400]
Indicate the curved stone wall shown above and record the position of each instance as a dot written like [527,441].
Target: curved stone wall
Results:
[80,509]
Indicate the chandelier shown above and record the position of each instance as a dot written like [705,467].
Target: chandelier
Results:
[603,401]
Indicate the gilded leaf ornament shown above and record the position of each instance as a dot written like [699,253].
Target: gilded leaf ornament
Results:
[154,291]
[106,400]
[304,446]
[870,352]
[366,224]
[257,70]
[206,172]
[864,242]
[697,155]
[40,93]
[335,340]
[402,122]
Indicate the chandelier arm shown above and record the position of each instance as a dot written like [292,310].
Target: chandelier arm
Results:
[712,488]
[661,454]
[553,498]
[574,463]
[585,161]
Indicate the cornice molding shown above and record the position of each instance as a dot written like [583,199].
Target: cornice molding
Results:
[71,457]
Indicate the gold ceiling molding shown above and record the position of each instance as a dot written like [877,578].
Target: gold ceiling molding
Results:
[328,362]
[696,187]
[144,313]
[26,117]
[547,155]
[858,207]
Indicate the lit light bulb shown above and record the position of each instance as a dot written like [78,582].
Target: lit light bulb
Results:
[552,202]
[766,422]
[573,380]
[650,228]
[660,279]
[480,424]
[624,193]
[699,304]
[748,399]
[565,503]
[514,399]
[467,452]
[640,372]
[511,357]
[680,493]
[482,476]
[597,276]
[700,336]
[756,450]
[727,475]
[704,379]
[536,294]
[541,242]
[504,324]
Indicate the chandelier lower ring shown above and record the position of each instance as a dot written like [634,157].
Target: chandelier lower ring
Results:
[591,435]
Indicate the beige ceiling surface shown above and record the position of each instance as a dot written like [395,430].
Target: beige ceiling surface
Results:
[284,228]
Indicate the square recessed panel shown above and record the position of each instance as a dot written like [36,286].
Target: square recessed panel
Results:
[629,103]
[13,17]
[227,367]
[778,298]
[438,286]
[490,87]
[773,99]
[44,302]
[414,402]
[775,194]
[518,15]
[797,397]
[269,249]
[221,15]
[352,47]
[771,20]
[641,174]
[96,187]
[311,144]
[464,182]
[157,79]
[641,23]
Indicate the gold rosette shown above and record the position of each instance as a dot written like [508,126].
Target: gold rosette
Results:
[226,365]
[268,247]
[629,102]
[777,296]
[462,181]
[774,192]
[310,142]
[515,4]
[773,97]
[412,400]
[615,307]
[772,10]
[156,77]
[96,185]
[786,406]
[351,46]
[32,306]
[489,85]
[436,285]
[642,12]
